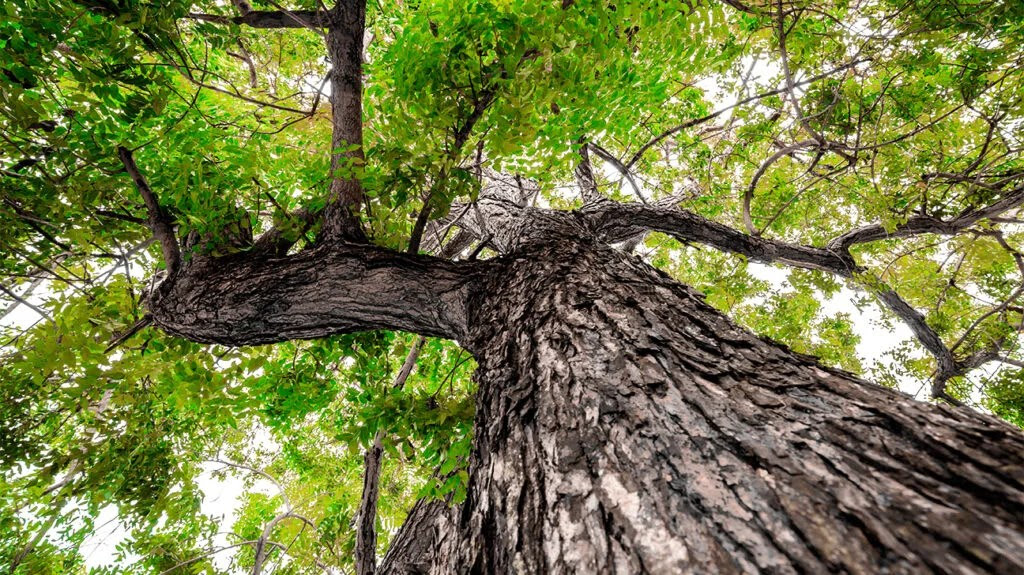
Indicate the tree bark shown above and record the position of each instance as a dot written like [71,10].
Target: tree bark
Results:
[625,426]
[345,49]
[251,299]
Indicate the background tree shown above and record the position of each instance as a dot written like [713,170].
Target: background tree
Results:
[274,241]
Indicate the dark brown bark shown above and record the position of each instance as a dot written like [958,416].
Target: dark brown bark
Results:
[584,173]
[617,222]
[426,536]
[625,426]
[250,299]
[345,49]
[925,224]
[366,530]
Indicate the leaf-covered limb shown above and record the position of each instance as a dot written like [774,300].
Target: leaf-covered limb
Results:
[636,157]
[462,134]
[927,224]
[271,19]
[366,517]
[160,221]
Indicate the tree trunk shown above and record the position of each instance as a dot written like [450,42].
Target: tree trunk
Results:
[625,426]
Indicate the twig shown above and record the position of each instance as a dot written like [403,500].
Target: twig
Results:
[134,329]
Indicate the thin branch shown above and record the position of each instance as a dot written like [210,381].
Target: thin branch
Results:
[697,121]
[160,222]
[134,329]
[619,167]
[748,195]
[35,283]
[270,19]
[22,301]
[245,57]
[788,76]
[366,532]
[480,105]
[264,475]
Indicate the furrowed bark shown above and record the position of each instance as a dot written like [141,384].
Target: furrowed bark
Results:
[618,222]
[366,531]
[426,539]
[624,426]
[345,49]
[249,300]
[584,173]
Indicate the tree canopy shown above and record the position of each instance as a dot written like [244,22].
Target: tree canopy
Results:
[872,146]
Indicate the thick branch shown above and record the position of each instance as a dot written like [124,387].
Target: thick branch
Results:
[618,222]
[249,300]
[277,241]
[159,220]
[271,19]
[345,49]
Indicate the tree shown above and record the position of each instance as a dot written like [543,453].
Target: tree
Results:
[313,180]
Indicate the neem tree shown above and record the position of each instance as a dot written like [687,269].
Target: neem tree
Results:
[482,177]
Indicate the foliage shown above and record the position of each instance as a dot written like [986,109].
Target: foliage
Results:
[232,128]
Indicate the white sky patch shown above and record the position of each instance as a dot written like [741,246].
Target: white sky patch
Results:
[222,502]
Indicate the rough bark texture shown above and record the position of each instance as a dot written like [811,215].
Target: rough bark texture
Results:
[366,529]
[248,299]
[427,536]
[624,426]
